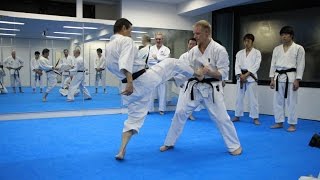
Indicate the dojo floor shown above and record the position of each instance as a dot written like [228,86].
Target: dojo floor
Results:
[83,147]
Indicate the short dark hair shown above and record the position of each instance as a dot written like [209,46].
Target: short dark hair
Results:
[287,30]
[120,23]
[248,36]
[192,39]
[44,51]
[37,53]
[99,50]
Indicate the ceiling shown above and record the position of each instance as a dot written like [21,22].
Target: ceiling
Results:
[41,28]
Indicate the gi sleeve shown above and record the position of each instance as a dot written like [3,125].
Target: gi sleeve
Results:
[126,57]
[300,62]
[237,67]
[222,64]
[273,63]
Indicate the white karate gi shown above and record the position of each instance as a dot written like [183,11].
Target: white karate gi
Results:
[293,58]
[46,66]
[251,63]
[122,54]
[35,77]
[78,80]
[162,53]
[3,89]
[69,60]
[216,57]
[101,75]
[14,74]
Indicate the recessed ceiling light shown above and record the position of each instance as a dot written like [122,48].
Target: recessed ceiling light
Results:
[5,34]
[104,39]
[9,22]
[76,27]
[68,33]
[7,29]
[57,37]
[139,32]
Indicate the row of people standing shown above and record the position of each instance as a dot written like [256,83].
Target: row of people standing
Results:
[286,71]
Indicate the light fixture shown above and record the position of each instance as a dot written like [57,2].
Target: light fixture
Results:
[5,34]
[76,27]
[57,37]
[137,41]
[9,22]
[7,29]
[139,37]
[139,32]
[79,34]
[104,39]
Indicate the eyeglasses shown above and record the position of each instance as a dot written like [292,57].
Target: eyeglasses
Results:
[158,39]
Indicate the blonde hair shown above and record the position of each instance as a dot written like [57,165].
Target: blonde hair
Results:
[158,33]
[205,25]
[146,38]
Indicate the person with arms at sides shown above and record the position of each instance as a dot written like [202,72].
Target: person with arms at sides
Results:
[215,62]
[100,66]
[14,64]
[286,71]
[36,73]
[3,89]
[247,64]
[66,60]
[78,77]
[123,61]
[50,70]
[159,52]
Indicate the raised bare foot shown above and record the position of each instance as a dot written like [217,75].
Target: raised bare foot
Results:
[192,118]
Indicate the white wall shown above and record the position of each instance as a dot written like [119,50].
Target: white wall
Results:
[156,15]
[308,101]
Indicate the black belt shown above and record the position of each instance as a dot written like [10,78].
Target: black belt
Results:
[244,71]
[2,87]
[80,71]
[287,80]
[49,71]
[206,81]
[134,75]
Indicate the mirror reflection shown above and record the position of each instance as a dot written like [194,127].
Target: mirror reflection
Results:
[74,76]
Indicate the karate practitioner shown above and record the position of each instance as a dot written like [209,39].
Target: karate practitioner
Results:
[100,66]
[214,58]
[191,43]
[3,89]
[145,51]
[77,76]
[159,52]
[139,83]
[46,66]
[14,64]
[66,60]
[36,73]
[286,71]
[247,64]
